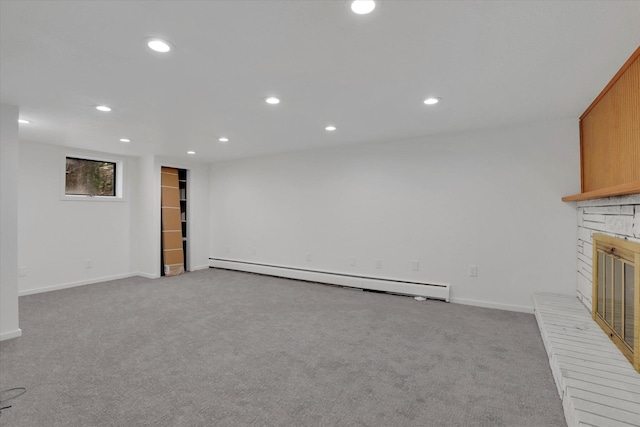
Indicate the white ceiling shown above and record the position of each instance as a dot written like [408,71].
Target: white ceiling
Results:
[493,63]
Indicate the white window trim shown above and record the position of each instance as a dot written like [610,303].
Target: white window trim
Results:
[121,164]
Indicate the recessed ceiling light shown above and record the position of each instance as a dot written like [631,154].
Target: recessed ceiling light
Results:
[191,152]
[158,45]
[431,101]
[272,100]
[223,139]
[103,108]
[23,121]
[125,140]
[330,128]
[362,7]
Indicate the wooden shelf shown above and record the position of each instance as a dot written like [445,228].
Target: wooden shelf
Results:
[617,190]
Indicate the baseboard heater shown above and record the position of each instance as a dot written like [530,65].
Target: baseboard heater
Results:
[427,290]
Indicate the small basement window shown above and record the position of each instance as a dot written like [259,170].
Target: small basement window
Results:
[92,178]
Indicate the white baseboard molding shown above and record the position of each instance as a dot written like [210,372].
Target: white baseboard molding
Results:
[200,267]
[146,275]
[74,284]
[428,290]
[498,306]
[9,335]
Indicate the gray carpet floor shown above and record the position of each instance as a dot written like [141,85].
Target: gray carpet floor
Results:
[222,348]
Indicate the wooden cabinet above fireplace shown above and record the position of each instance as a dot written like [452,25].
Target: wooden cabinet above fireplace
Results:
[610,137]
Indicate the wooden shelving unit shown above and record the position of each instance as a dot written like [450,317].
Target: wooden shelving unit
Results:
[173,222]
[182,183]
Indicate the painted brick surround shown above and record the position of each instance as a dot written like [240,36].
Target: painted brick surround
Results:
[615,216]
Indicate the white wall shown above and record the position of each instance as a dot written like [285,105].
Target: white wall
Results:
[488,198]
[9,327]
[615,216]
[120,238]
[57,237]
[145,241]
[198,220]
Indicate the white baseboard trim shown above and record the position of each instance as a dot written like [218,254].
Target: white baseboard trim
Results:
[74,284]
[147,275]
[498,306]
[200,267]
[9,335]
[429,290]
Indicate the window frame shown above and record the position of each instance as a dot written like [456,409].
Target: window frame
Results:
[120,164]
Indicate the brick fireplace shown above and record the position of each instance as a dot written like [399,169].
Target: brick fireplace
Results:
[614,216]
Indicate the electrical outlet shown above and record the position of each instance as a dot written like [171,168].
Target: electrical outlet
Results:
[22,272]
[87,264]
[473,270]
[308,257]
[415,265]
[378,263]
[352,261]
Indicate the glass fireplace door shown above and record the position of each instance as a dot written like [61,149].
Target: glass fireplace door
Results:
[616,282]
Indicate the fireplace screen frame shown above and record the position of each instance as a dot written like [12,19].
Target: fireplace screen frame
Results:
[619,253]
